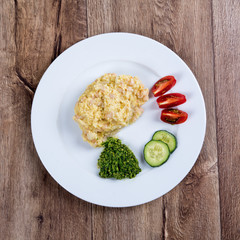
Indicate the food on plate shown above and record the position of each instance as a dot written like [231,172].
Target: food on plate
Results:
[108,104]
[156,153]
[171,100]
[117,160]
[163,85]
[167,138]
[173,116]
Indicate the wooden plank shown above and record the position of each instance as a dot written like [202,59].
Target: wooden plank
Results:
[191,210]
[226,15]
[141,222]
[33,206]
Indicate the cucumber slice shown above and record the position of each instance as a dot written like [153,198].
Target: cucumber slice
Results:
[156,153]
[166,137]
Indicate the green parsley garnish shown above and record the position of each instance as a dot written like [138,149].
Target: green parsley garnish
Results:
[117,160]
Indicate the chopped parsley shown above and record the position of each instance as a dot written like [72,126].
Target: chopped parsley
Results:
[117,160]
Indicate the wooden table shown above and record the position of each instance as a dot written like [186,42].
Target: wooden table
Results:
[205,34]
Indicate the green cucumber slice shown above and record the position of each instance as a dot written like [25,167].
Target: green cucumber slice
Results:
[156,153]
[166,137]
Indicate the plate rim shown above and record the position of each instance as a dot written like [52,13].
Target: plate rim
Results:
[42,82]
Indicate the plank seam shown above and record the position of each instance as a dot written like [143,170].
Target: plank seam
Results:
[164,219]
[57,46]
[59,12]
[16,20]
[215,104]
[87,17]
[91,221]
[58,36]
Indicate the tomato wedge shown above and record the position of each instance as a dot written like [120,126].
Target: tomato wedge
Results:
[171,100]
[163,85]
[173,116]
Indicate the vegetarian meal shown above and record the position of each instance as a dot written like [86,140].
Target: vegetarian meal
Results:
[158,150]
[171,116]
[112,102]
[117,160]
[108,104]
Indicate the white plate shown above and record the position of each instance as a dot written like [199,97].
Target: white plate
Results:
[71,161]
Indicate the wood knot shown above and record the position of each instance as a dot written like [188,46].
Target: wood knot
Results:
[192,180]
[45,177]
[40,218]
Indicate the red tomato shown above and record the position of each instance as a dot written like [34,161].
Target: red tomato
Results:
[163,85]
[173,116]
[171,100]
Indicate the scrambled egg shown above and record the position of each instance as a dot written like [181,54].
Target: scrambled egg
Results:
[108,104]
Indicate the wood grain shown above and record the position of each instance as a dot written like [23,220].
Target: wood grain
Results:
[205,34]
[141,222]
[226,16]
[194,204]
[33,206]
[146,221]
